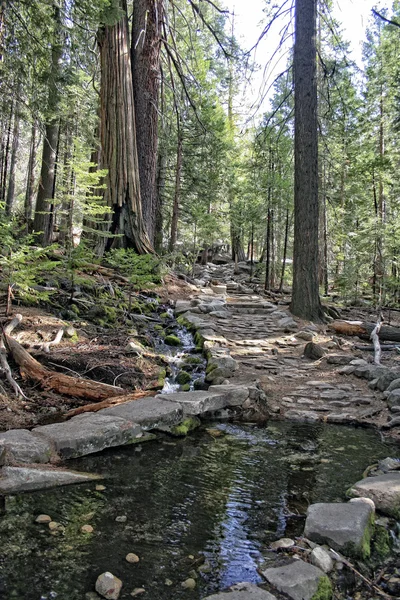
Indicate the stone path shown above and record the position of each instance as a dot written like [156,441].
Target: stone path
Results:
[268,344]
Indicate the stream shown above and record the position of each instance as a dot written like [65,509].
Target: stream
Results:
[205,506]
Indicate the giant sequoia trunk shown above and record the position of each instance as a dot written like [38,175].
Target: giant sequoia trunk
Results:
[118,137]
[146,26]
[305,299]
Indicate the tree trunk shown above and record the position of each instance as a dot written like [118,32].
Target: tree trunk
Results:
[118,137]
[30,180]
[267,284]
[42,223]
[5,153]
[13,163]
[305,297]
[175,210]
[285,245]
[146,36]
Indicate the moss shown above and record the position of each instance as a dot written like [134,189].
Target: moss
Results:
[172,340]
[185,426]
[159,328]
[74,309]
[161,377]
[210,368]
[324,591]
[183,377]
[184,322]
[364,549]
[198,339]
[185,387]
[110,314]
[193,360]
[381,542]
[165,315]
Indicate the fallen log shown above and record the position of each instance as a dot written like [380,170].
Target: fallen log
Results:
[364,330]
[109,403]
[30,368]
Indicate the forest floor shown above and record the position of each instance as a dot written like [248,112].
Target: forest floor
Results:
[265,353]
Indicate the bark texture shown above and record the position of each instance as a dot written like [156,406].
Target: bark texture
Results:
[146,35]
[305,299]
[118,137]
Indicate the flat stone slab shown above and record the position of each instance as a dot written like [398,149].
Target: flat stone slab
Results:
[22,479]
[149,413]
[242,591]
[195,403]
[384,490]
[298,579]
[342,525]
[23,446]
[89,433]
[235,395]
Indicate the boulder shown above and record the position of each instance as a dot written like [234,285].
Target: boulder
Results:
[393,398]
[234,395]
[394,385]
[196,403]
[384,490]
[242,591]
[23,446]
[300,581]
[22,479]
[344,526]
[321,558]
[313,351]
[220,367]
[386,379]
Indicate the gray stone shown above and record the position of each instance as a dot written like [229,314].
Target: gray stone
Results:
[389,464]
[303,416]
[222,366]
[220,314]
[395,422]
[196,403]
[384,490]
[149,413]
[386,379]
[305,335]
[340,359]
[23,446]
[313,351]
[133,348]
[348,370]
[344,526]
[321,558]
[22,479]
[242,591]
[108,586]
[334,394]
[210,307]
[282,544]
[393,398]
[3,455]
[298,579]
[340,418]
[370,371]
[235,395]
[288,323]
[89,433]
[394,385]
[182,306]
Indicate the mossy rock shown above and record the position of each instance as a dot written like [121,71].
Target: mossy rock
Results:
[183,377]
[200,384]
[324,591]
[185,387]
[172,340]
[165,315]
[187,425]
[198,340]
[381,542]
[193,360]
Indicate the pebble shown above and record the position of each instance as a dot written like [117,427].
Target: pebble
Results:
[43,519]
[100,488]
[53,525]
[138,591]
[132,558]
[282,543]
[87,529]
[189,584]
[121,519]
[108,586]
[168,582]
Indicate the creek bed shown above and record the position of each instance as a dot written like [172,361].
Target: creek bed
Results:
[217,498]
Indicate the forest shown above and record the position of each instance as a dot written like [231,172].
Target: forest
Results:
[123,127]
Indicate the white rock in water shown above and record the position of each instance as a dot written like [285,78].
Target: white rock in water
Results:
[108,586]
[321,558]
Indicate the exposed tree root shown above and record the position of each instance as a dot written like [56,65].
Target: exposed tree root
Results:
[5,367]
[51,380]
[110,402]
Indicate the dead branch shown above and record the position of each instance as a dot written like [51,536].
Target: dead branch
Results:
[375,340]
[30,368]
[364,330]
[110,402]
[367,581]
[5,367]
[45,347]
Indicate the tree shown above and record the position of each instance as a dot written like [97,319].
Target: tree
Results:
[305,296]
[146,42]
[118,132]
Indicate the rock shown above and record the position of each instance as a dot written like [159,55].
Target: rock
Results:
[242,591]
[138,591]
[121,519]
[393,385]
[366,501]
[132,558]
[87,529]
[288,323]
[282,544]
[313,351]
[220,366]
[23,479]
[299,580]
[321,558]
[345,527]
[219,289]
[183,377]
[340,359]
[305,335]
[45,519]
[189,584]
[389,464]
[172,340]
[234,395]
[348,370]
[384,490]
[393,398]
[220,314]
[369,371]
[133,348]
[197,402]
[303,416]
[182,306]
[3,455]
[149,413]
[108,586]
[23,446]
[386,379]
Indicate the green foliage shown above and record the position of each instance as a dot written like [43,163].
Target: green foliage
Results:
[141,270]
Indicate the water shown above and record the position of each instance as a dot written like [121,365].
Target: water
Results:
[178,358]
[212,499]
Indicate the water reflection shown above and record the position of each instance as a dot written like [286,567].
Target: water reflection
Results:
[209,504]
